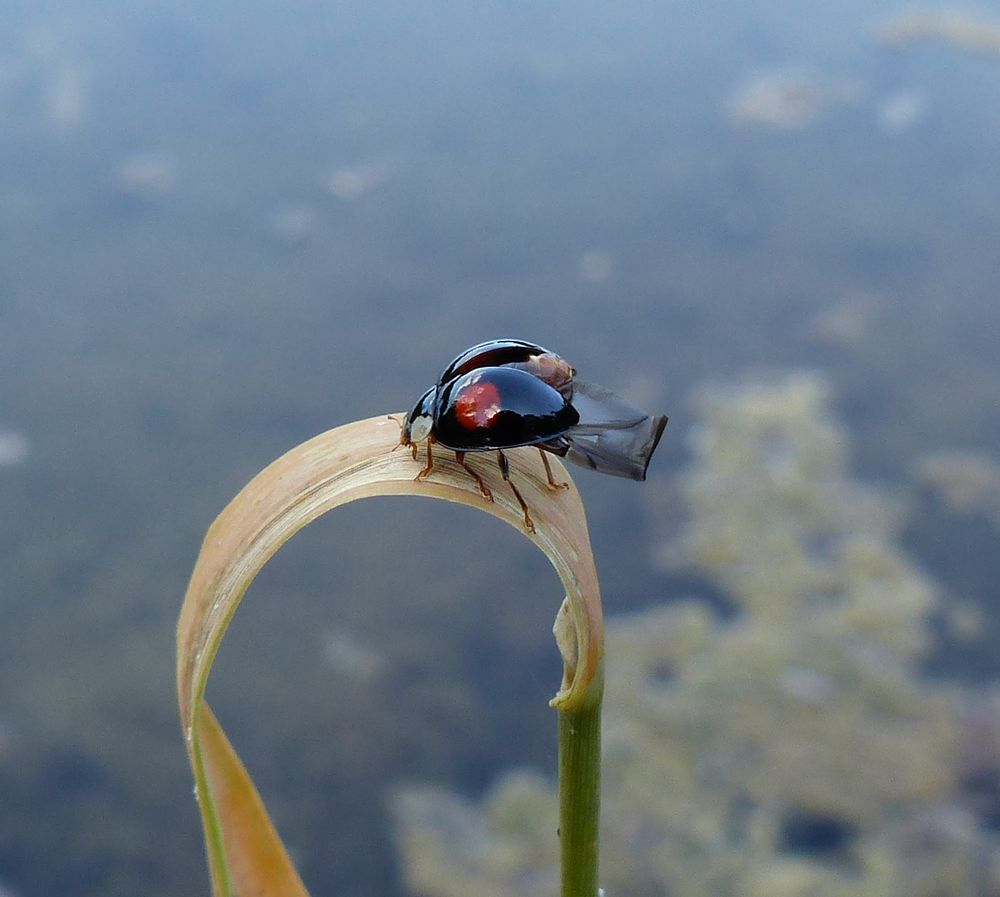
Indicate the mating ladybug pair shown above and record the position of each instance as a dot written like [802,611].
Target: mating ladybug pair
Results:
[507,393]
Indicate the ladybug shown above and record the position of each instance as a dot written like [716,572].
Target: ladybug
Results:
[507,393]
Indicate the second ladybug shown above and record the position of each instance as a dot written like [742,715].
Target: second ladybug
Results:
[508,393]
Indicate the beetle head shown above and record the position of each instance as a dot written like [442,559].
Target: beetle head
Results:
[420,421]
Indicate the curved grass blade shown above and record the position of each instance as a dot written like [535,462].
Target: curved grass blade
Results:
[342,465]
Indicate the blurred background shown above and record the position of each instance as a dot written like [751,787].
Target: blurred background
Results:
[227,227]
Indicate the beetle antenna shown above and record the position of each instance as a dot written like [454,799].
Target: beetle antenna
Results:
[402,426]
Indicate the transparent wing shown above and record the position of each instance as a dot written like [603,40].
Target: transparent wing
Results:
[613,435]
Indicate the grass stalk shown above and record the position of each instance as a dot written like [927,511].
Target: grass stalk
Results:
[580,793]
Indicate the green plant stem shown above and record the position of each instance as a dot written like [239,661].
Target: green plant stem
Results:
[580,793]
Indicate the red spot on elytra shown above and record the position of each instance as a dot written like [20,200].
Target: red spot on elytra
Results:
[477,406]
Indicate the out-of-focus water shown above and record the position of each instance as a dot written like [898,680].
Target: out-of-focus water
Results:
[225,228]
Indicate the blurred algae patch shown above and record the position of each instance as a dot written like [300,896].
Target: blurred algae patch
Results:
[965,31]
[787,100]
[789,748]
[967,482]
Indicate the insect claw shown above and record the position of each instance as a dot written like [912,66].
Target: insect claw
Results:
[548,473]
[430,463]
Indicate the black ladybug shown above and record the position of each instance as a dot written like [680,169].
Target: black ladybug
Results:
[507,393]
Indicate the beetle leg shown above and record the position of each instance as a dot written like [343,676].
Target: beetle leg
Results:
[460,458]
[505,470]
[548,472]
[430,462]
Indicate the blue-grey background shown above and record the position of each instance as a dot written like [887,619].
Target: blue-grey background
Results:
[226,227]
